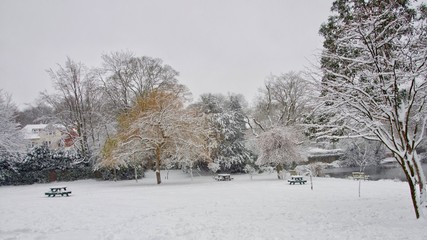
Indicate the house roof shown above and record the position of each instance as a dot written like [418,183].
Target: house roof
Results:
[28,131]
[30,134]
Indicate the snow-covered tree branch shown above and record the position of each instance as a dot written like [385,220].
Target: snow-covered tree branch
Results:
[10,136]
[375,79]
[285,100]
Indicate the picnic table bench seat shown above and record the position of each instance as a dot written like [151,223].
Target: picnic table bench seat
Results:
[58,191]
[53,194]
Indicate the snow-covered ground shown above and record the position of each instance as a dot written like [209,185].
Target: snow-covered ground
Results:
[264,208]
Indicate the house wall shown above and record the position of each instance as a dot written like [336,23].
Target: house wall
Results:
[325,159]
[50,136]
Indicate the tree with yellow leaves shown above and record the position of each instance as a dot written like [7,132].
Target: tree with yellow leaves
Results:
[160,127]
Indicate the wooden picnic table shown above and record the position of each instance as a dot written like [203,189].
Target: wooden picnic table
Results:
[359,176]
[297,179]
[58,191]
[223,177]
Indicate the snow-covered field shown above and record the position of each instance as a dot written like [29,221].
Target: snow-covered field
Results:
[264,208]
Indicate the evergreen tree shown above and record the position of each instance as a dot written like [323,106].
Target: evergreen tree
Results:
[226,114]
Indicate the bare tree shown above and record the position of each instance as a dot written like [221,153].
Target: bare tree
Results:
[361,153]
[126,78]
[283,104]
[38,113]
[284,101]
[75,101]
[115,76]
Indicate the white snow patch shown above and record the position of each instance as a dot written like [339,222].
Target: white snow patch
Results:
[264,208]
[388,160]
[321,151]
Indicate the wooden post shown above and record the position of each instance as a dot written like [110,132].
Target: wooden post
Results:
[311,181]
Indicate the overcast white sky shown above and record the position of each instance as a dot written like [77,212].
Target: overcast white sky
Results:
[218,46]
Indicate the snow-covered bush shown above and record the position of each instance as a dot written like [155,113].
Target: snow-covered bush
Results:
[214,167]
[267,169]
[315,169]
[250,169]
[43,165]
[8,171]
[277,147]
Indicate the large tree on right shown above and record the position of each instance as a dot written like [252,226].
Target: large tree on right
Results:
[374,66]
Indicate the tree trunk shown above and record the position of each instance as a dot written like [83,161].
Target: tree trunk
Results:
[52,176]
[159,179]
[311,181]
[413,192]
[411,167]
[191,173]
[279,169]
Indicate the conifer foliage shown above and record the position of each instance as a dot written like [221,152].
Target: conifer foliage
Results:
[228,121]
